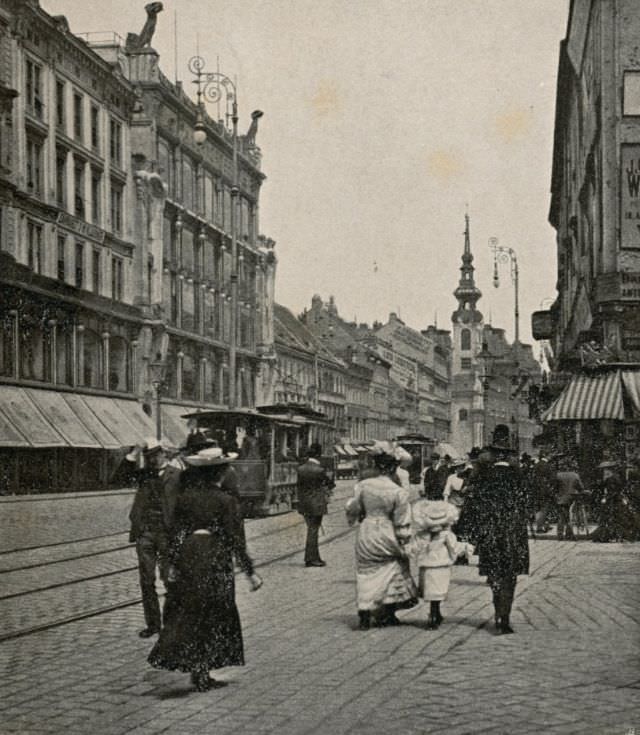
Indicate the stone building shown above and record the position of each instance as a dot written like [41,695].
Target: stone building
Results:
[306,379]
[368,373]
[115,253]
[594,323]
[595,186]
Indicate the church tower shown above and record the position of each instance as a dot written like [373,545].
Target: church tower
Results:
[467,404]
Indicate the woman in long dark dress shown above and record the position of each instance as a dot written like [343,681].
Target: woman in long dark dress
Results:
[202,626]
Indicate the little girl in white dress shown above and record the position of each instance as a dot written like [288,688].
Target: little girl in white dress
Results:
[435,548]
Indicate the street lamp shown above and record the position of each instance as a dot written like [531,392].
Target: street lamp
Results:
[156,371]
[506,255]
[214,87]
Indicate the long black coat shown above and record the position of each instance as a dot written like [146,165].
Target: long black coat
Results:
[499,508]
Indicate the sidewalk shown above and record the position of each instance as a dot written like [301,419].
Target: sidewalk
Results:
[572,667]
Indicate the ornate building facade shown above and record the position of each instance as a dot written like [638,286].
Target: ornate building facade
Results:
[115,253]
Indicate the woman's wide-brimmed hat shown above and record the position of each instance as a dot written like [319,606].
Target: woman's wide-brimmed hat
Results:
[433,515]
[152,446]
[210,457]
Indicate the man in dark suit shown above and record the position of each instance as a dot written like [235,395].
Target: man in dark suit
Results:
[314,488]
[435,478]
[151,519]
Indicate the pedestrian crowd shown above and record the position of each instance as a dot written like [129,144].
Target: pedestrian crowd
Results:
[187,524]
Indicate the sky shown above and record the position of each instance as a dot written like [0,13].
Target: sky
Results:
[384,122]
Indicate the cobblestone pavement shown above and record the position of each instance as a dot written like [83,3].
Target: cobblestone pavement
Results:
[572,667]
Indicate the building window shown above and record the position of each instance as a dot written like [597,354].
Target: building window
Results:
[33,344]
[34,102]
[34,246]
[187,184]
[189,378]
[115,143]
[116,278]
[95,128]
[465,363]
[116,207]
[463,414]
[60,106]
[96,196]
[166,165]
[61,178]
[79,280]
[95,272]
[92,354]
[78,183]
[62,247]
[78,119]
[188,255]
[7,345]
[34,166]
[465,339]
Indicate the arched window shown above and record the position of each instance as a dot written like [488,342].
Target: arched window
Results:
[118,364]
[465,339]
[92,354]
[463,414]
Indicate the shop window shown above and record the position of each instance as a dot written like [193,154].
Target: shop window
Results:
[210,381]
[33,345]
[92,354]
[64,355]
[118,364]
[171,375]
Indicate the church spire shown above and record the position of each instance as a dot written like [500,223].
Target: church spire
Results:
[467,292]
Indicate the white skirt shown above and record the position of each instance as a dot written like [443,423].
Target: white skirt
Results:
[434,583]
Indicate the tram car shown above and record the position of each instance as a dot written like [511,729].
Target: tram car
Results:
[269,450]
[420,448]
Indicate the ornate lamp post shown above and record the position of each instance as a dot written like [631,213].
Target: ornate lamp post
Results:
[506,255]
[214,87]
[156,373]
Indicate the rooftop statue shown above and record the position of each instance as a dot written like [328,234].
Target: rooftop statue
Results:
[138,41]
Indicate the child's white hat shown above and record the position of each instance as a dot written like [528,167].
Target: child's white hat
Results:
[433,515]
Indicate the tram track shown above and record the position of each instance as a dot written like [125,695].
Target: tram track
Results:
[73,585]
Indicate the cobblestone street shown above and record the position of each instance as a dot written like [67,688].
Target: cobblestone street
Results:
[572,666]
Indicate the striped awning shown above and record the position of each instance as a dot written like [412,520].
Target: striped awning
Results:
[589,397]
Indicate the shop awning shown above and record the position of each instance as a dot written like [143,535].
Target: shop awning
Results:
[173,425]
[89,419]
[631,382]
[589,397]
[60,414]
[340,450]
[26,419]
[350,450]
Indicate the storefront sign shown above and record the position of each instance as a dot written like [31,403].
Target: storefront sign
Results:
[80,227]
[621,286]
[630,197]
